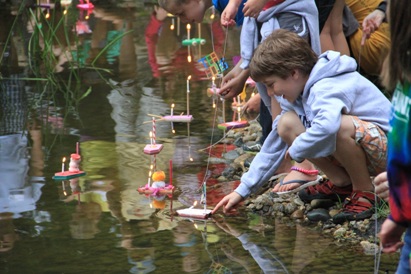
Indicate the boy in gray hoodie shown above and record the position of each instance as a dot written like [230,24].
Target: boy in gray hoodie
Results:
[331,115]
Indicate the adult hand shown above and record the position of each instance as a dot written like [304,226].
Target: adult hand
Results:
[229,202]
[371,23]
[381,186]
[390,236]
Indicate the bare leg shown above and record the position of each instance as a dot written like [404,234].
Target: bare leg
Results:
[351,156]
[289,127]
[332,35]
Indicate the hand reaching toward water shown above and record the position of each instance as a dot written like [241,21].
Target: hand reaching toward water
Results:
[229,203]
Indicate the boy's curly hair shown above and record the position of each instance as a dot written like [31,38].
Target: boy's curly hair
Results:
[279,54]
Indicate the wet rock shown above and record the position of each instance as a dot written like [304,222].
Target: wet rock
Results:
[321,203]
[298,201]
[298,214]
[334,211]
[215,160]
[289,208]
[369,248]
[239,142]
[340,232]
[250,139]
[229,172]
[231,155]
[318,214]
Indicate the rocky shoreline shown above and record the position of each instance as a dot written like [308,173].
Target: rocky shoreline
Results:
[317,214]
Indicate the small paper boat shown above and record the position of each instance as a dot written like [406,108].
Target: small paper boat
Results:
[177,118]
[234,124]
[65,175]
[85,6]
[156,190]
[195,213]
[153,149]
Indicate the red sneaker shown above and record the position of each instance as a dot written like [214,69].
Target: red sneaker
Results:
[325,190]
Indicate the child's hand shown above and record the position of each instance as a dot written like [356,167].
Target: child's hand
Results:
[233,83]
[161,14]
[252,8]
[229,13]
[371,23]
[381,186]
[390,236]
[252,105]
[228,203]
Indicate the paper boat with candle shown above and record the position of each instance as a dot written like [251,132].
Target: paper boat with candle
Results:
[195,213]
[74,167]
[85,6]
[153,149]
[233,124]
[156,190]
[177,118]
[65,175]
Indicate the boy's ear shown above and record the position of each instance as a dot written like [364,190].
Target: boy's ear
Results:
[295,73]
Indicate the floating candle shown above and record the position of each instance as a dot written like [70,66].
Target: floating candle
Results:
[188,31]
[62,164]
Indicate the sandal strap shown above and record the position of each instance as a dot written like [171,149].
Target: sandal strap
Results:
[353,204]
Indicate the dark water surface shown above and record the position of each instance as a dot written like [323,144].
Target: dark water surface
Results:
[99,223]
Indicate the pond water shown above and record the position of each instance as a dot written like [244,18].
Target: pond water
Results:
[99,223]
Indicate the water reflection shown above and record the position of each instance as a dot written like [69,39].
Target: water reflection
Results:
[99,223]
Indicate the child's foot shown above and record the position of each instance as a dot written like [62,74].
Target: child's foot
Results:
[294,179]
[359,206]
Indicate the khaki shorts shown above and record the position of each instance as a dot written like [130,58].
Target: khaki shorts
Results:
[374,142]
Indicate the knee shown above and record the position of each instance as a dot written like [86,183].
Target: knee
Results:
[287,126]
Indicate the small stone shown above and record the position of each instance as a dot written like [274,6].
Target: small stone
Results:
[318,214]
[333,212]
[369,248]
[321,203]
[298,214]
[340,232]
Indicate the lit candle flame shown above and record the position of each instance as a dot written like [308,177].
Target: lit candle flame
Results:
[189,58]
[191,159]
[189,78]
[195,203]
[64,159]
[171,27]
[188,26]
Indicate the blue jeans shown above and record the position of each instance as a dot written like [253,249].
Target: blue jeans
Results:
[404,264]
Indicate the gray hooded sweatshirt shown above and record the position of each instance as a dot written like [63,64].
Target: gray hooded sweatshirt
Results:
[269,22]
[333,88]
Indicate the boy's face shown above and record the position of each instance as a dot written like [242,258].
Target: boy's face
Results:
[290,88]
[190,12]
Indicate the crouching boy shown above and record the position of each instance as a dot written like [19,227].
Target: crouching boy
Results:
[331,115]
